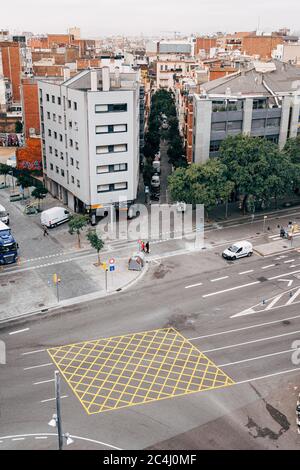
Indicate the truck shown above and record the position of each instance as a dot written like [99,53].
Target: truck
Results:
[8,245]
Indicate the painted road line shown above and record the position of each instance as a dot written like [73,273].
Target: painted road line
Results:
[253,341]
[247,272]
[282,275]
[294,265]
[44,382]
[291,300]
[268,376]
[219,279]
[194,285]
[18,331]
[269,266]
[41,365]
[231,289]
[55,435]
[52,399]
[274,301]
[257,325]
[257,358]
[289,261]
[33,352]
[41,437]
[18,439]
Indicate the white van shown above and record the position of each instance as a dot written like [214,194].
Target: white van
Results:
[4,215]
[156,165]
[54,216]
[238,250]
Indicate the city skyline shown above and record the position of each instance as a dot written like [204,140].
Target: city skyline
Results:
[139,17]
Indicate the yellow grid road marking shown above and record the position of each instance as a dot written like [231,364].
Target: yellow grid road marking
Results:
[122,371]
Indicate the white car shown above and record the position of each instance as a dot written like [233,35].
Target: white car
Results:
[238,250]
[155,181]
[4,215]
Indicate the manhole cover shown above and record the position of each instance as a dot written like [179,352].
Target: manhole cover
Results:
[286,322]
[262,279]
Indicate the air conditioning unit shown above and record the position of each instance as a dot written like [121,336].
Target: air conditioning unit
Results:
[31,131]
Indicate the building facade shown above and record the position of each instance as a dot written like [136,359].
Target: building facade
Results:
[263,101]
[90,131]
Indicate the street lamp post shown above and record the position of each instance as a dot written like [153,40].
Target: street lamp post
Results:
[265,218]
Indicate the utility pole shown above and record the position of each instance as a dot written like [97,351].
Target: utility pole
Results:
[58,413]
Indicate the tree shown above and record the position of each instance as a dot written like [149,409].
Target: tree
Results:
[148,171]
[76,224]
[292,149]
[39,193]
[201,184]
[96,242]
[5,170]
[25,181]
[257,168]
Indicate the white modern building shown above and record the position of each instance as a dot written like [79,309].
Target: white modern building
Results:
[90,129]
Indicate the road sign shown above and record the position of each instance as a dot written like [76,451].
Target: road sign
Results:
[112,267]
[104,266]
[112,261]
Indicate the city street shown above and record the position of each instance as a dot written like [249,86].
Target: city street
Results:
[207,306]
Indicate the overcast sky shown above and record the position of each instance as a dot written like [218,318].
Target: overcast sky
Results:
[111,17]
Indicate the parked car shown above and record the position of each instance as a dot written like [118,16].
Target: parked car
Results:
[155,181]
[238,250]
[180,206]
[156,165]
[4,215]
[54,216]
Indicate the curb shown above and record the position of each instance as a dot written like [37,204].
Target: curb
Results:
[75,300]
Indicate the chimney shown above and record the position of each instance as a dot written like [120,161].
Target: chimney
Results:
[67,74]
[94,86]
[105,79]
[117,77]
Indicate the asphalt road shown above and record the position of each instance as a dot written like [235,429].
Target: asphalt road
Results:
[200,296]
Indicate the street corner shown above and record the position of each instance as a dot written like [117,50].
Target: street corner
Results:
[136,369]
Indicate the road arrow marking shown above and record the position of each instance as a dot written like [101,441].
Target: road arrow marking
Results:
[290,282]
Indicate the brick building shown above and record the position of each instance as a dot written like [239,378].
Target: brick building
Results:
[30,106]
[11,66]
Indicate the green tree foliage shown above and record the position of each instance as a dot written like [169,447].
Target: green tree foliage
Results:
[76,224]
[257,168]
[39,193]
[201,184]
[96,242]
[292,149]
[5,170]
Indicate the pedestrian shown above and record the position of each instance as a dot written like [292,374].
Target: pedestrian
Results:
[142,246]
[147,247]
[45,230]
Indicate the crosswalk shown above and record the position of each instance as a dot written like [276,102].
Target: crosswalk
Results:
[277,237]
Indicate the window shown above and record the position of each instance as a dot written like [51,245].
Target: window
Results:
[111,168]
[51,166]
[55,135]
[49,132]
[54,117]
[72,179]
[234,125]
[47,97]
[75,106]
[77,164]
[48,115]
[62,172]
[120,148]
[102,188]
[59,119]
[57,169]
[53,99]
[273,122]
[71,142]
[76,126]
[70,124]
[106,108]
[111,128]
[258,123]
[69,104]
[56,152]
[50,149]
[61,155]
[76,146]
[111,148]
[78,184]
[59,100]
[60,137]
[218,126]
[102,169]
[72,161]
[120,167]
[120,186]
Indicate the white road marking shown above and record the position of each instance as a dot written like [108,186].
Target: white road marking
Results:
[289,261]
[231,289]
[289,281]
[52,399]
[194,285]
[219,279]
[256,358]
[267,376]
[44,382]
[18,331]
[18,439]
[291,300]
[247,272]
[41,365]
[294,265]
[280,275]
[33,352]
[274,301]
[55,435]
[41,437]
[257,325]
[269,266]
[253,341]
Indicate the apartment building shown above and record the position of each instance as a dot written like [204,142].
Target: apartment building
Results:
[90,130]
[262,101]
